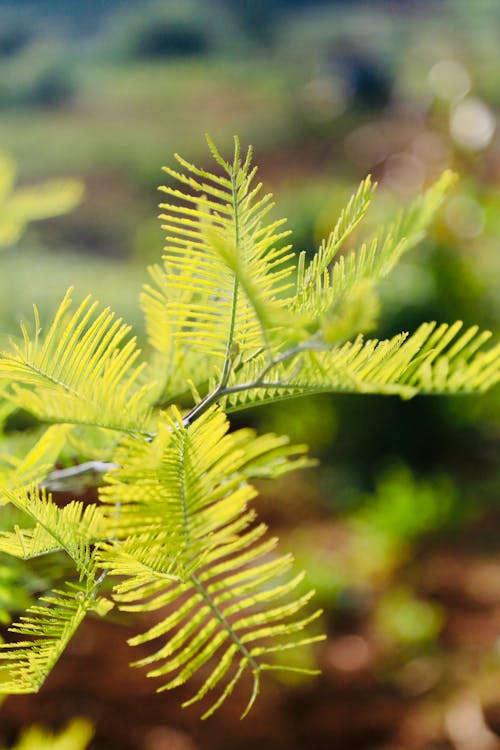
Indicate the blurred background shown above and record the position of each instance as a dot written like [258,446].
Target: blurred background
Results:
[398,528]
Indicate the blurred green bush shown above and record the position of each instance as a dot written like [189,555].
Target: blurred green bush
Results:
[38,75]
[176,29]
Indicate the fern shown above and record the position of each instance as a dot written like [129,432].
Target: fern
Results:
[49,627]
[35,465]
[319,287]
[433,360]
[220,289]
[80,373]
[75,736]
[232,324]
[224,616]
[191,480]
[317,272]
[20,206]
[72,528]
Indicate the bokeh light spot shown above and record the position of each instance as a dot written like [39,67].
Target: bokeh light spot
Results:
[404,173]
[472,124]
[464,217]
[449,80]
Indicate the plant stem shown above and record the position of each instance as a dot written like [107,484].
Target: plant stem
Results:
[259,382]
[59,479]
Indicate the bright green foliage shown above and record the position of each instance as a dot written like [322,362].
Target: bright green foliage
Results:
[220,291]
[76,736]
[24,472]
[232,324]
[49,627]
[19,207]
[432,360]
[319,287]
[81,373]
[191,482]
[271,337]
[72,528]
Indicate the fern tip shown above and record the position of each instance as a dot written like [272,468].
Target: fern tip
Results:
[216,153]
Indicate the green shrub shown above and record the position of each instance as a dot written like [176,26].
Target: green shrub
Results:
[232,323]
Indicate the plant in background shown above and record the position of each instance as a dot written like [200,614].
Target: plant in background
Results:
[186,29]
[20,206]
[76,736]
[232,324]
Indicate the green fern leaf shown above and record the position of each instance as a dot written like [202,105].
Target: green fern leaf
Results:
[80,373]
[225,608]
[433,360]
[72,528]
[309,278]
[47,629]
[230,614]
[319,288]
[173,482]
[191,481]
[34,466]
[217,313]
[219,291]
[75,736]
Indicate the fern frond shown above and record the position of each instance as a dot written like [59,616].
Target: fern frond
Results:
[175,482]
[6,406]
[231,609]
[309,278]
[217,312]
[72,528]
[26,204]
[320,287]
[191,481]
[82,372]
[453,361]
[75,736]
[433,360]
[224,271]
[47,629]
[34,466]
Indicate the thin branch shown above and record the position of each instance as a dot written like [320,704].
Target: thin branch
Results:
[259,382]
[62,479]
[228,357]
